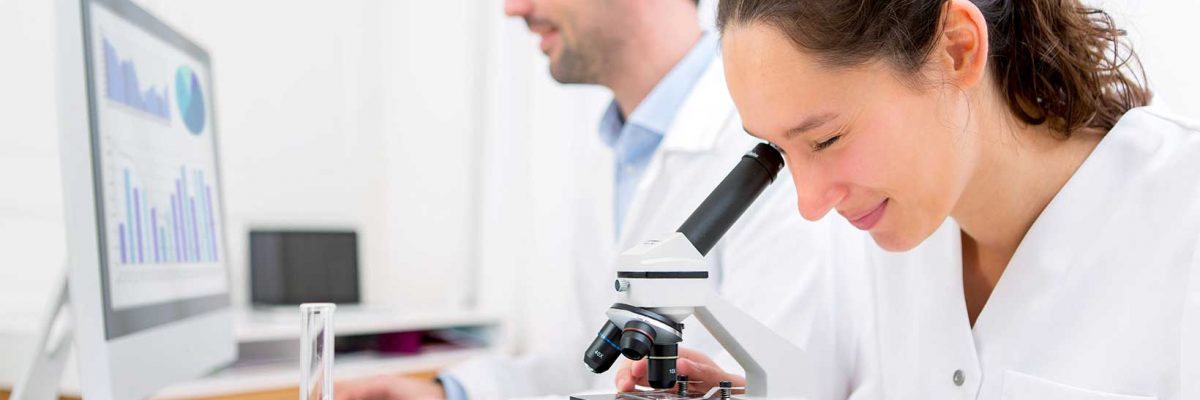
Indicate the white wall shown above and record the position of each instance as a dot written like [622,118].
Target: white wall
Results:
[1162,34]
[31,237]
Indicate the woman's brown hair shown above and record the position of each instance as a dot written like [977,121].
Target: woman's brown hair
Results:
[1057,61]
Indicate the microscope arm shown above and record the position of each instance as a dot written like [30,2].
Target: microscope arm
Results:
[760,351]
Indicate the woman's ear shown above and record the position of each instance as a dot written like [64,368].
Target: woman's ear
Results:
[962,46]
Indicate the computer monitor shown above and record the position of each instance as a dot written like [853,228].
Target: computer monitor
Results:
[289,267]
[147,267]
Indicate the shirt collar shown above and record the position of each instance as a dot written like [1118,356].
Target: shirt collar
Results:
[657,111]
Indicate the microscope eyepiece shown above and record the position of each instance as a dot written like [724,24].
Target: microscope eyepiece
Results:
[637,339]
[732,197]
[604,350]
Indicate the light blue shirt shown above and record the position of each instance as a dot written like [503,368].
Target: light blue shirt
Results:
[634,140]
[453,389]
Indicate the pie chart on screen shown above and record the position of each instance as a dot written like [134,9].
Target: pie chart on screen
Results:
[190,99]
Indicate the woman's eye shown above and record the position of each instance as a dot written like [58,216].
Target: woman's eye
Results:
[826,143]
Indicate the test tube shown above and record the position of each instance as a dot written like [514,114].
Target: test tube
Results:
[316,351]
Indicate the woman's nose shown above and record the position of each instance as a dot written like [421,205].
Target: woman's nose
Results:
[816,193]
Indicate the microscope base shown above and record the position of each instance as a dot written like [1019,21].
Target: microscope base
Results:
[631,396]
[648,396]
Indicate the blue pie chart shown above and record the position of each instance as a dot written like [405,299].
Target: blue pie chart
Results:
[190,99]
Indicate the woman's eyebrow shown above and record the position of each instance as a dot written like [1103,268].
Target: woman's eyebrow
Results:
[809,124]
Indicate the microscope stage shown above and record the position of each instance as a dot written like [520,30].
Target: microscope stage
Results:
[638,396]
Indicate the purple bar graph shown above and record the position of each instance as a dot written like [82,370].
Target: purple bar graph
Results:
[175,226]
[153,232]
[162,234]
[187,223]
[202,215]
[137,209]
[121,234]
[183,232]
[198,214]
[128,248]
[212,233]
[195,230]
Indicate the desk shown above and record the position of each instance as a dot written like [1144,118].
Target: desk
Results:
[260,375]
[291,393]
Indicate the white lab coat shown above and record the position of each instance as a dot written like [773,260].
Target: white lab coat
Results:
[768,264]
[1100,301]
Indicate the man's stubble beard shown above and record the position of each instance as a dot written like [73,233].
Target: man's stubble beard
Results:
[586,63]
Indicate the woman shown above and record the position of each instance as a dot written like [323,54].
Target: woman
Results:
[1041,225]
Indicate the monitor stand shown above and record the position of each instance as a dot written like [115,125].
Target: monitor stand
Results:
[41,379]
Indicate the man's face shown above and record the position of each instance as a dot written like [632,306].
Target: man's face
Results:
[581,37]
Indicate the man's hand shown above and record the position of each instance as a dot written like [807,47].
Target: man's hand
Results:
[388,387]
[696,365]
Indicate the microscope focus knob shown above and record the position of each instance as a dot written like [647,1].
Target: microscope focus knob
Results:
[636,340]
[621,285]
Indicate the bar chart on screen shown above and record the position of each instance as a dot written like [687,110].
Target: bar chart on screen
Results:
[162,212]
[169,221]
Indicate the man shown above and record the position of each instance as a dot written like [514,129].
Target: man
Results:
[675,134]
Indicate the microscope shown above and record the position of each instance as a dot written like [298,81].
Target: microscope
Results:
[661,282]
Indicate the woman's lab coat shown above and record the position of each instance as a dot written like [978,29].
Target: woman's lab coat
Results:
[1100,301]
[765,264]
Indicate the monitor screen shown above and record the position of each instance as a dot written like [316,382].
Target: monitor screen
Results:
[159,194]
[293,267]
